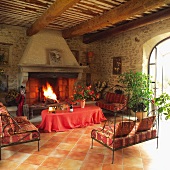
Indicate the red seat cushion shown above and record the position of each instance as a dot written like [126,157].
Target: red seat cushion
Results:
[146,123]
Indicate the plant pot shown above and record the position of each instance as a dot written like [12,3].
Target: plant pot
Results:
[141,115]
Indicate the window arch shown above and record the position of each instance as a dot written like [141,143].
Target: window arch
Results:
[159,67]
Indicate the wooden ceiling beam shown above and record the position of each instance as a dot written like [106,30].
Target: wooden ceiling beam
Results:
[116,15]
[156,17]
[55,10]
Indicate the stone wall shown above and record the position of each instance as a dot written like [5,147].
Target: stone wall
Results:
[129,45]
[16,38]
[132,46]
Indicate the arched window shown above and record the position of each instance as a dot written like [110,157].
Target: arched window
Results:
[159,67]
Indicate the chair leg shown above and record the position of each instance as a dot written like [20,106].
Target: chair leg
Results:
[92,144]
[38,145]
[113,156]
[0,152]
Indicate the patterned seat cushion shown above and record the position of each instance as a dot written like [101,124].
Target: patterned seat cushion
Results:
[124,128]
[113,102]
[125,134]
[146,123]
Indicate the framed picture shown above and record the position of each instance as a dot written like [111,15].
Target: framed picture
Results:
[117,65]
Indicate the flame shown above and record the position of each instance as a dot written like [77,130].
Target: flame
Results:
[48,92]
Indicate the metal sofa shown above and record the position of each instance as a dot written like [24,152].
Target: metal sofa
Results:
[113,101]
[126,130]
[16,130]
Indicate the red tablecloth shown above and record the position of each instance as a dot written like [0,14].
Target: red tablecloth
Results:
[64,120]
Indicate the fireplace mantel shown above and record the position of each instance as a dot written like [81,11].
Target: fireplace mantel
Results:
[50,68]
[25,69]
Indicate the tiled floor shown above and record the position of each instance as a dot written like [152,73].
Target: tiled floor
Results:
[71,150]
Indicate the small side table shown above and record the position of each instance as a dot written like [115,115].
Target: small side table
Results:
[36,107]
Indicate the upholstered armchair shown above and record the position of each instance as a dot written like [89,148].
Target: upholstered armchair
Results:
[16,130]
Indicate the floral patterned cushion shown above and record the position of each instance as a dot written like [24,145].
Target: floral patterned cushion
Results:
[146,124]
[124,128]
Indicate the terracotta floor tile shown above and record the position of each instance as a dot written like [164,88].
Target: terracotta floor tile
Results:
[6,154]
[14,147]
[71,150]
[98,149]
[74,134]
[59,153]
[57,138]
[65,146]
[8,165]
[70,164]
[35,159]
[77,155]
[52,162]
[19,157]
[131,168]
[93,157]
[131,151]
[118,160]
[133,162]
[44,151]
[25,166]
[81,148]
[45,168]
[50,144]
[72,140]
[110,166]
[91,166]
[80,130]
[84,141]
[28,149]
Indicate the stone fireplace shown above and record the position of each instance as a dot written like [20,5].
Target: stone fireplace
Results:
[48,59]
[61,82]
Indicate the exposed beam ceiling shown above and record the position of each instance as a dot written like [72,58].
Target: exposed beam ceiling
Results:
[123,12]
[91,18]
[55,10]
[161,15]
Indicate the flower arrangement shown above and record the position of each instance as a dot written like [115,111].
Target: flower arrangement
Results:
[100,86]
[83,93]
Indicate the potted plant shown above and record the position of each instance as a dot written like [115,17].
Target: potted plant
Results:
[163,105]
[137,87]
[83,93]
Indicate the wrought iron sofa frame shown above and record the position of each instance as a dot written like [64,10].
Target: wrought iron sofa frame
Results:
[16,130]
[113,132]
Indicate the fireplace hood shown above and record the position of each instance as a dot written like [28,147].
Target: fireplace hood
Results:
[48,52]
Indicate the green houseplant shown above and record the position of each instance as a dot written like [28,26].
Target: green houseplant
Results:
[163,105]
[137,87]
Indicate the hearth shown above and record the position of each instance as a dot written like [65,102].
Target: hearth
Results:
[62,85]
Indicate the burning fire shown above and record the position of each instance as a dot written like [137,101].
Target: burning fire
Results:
[48,92]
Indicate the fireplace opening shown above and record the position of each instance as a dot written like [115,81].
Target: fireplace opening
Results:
[62,85]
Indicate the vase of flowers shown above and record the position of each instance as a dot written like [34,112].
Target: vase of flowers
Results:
[83,93]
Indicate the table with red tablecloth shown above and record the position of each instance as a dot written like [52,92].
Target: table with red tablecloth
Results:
[64,120]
